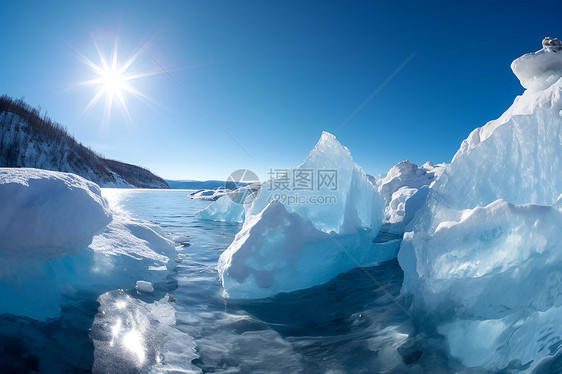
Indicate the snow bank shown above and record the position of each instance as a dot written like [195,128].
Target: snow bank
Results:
[536,70]
[47,214]
[289,243]
[131,335]
[481,259]
[60,257]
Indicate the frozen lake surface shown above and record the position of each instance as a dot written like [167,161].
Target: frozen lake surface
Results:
[353,324]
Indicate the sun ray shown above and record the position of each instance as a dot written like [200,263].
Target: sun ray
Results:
[108,106]
[124,106]
[103,61]
[114,59]
[141,75]
[140,95]
[136,55]
[95,68]
[93,102]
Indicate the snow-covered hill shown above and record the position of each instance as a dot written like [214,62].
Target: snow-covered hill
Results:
[28,139]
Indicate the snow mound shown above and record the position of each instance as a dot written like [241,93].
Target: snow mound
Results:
[47,214]
[536,70]
[289,243]
[481,258]
[133,336]
[36,280]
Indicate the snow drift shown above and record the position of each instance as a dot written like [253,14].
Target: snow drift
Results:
[481,259]
[58,238]
[289,243]
[47,214]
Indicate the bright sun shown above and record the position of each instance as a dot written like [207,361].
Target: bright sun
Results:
[112,79]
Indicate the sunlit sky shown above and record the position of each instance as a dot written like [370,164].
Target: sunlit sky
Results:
[274,75]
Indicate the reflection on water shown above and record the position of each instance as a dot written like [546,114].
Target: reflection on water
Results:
[347,325]
[131,335]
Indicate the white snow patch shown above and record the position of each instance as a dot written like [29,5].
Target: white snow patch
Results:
[47,214]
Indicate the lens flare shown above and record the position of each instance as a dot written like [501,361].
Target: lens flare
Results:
[114,79]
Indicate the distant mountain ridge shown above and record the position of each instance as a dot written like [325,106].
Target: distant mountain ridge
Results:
[29,139]
[199,185]
[195,185]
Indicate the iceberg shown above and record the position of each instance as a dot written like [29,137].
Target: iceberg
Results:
[481,258]
[342,200]
[210,195]
[295,239]
[58,238]
[224,209]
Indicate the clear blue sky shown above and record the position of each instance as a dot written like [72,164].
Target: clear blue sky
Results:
[275,75]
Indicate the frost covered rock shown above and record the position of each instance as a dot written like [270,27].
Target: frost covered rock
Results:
[31,140]
[553,44]
[481,260]
[48,214]
[288,244]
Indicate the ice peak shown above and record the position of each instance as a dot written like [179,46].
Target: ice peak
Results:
[539,70]
[328,139]
[328,145]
